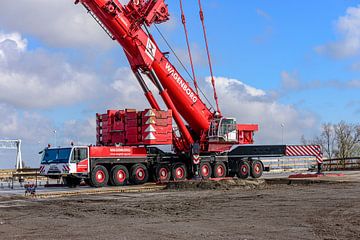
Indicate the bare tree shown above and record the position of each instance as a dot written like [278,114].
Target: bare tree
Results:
[341,140]
[328,140]
[314,141]
[347,139]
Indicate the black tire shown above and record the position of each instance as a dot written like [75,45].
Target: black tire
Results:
[76,182]
[66,181]
[71,182]
[243,169]
[179,172]
[99,176]
[162,174]
[205,170]
[257,169]
[88,181]
[119,175]
[219,170]
[139,174]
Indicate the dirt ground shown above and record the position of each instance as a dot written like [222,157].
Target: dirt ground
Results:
[215,211]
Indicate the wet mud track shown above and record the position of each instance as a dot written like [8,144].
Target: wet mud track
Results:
[280,211]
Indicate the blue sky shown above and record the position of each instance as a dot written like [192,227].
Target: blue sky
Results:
[295,63]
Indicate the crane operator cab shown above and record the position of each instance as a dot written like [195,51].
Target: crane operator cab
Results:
[223,130]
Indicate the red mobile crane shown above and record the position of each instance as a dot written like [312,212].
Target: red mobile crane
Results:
[209,144]
[125,24]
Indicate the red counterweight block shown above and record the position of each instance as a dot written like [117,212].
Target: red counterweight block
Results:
[131,128]
[106,124]
[157,127]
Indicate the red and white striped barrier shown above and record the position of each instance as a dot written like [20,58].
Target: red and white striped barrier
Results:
[305,150]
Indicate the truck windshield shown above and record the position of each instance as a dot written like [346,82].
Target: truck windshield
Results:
[60,155]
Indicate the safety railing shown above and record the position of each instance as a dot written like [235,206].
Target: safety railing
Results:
[341,164]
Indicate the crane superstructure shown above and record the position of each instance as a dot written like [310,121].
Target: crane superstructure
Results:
[208,145]
[127,24]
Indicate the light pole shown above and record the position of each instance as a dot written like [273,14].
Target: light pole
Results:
[55,138]
[282,132]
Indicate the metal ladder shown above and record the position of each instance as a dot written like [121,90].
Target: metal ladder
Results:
[99,22]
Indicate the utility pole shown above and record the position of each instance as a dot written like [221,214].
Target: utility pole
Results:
[55,138]
[282,132]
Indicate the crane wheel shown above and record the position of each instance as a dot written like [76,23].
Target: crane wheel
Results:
[179,172]
[119,175]
[162,174]
[88,181]
[71,182]
[205,170]
[243,169]
[139,174]
[99,176]
[256,169]
[219,170]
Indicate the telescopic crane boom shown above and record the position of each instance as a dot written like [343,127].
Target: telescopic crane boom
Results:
[127,24]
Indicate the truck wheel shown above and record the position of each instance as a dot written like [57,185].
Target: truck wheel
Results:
[99,176]
[139,174]
[205,170]
[256,169]
[179,172]
[67,181]
[162,174]
[76,182]
[88,181]
[71,182]
[219,170]
[243,169]
[119,175]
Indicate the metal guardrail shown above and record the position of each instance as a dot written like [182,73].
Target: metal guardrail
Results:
[25,172]
[341,164]
[290,164]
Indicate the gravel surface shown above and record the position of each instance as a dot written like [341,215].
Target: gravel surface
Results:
[227,211]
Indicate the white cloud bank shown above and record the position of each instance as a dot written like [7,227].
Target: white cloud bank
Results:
[348,28]
[38,79]
[290,82]
[254,106]
[58,23]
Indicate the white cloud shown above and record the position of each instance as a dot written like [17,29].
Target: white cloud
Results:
[80,132]
[127,93]
[33,129]
[348,27]
[11,45]
[290,80]
[224,85]
[36,131]
[354,84]
[254,106]
[38,79]
[198,54]
[355,66]
[58,23]
[237,99]
[23,125]
[263,14]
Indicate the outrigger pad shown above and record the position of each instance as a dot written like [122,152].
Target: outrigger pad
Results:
[258,151]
